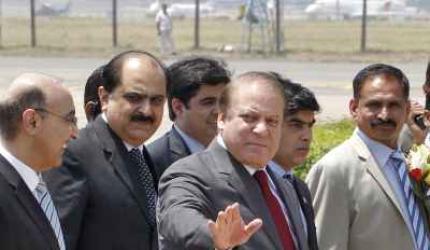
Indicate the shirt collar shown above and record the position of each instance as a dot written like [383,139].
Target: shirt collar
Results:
[249,169]
[127,145]
[193,145]
[379,151]
[279,170]
[30,177]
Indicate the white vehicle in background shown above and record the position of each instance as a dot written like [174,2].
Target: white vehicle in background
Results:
[350,9]
[181,10]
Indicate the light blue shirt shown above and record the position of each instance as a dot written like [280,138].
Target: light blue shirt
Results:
[381,154]
[279,171]
[193,145]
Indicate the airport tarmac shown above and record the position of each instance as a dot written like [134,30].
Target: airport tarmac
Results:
[330,81]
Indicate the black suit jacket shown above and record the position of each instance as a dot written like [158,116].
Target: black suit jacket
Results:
[99,202]
[306,204]
[23,224]
[167,149]
[194,189]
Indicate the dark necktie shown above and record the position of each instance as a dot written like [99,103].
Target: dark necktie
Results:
[276,212]
[415,216]
[145,179]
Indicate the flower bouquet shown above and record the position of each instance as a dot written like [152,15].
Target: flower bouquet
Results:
[418,162]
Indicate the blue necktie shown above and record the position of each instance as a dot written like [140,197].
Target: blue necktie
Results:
[147,181]
[48,208]
[415,216]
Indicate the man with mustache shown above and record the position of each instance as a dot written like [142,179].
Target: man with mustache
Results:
[107,186]
[193,92]
[296,138]
[362,194]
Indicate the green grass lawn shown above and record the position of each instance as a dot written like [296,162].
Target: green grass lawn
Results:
[93,36]
[326,136]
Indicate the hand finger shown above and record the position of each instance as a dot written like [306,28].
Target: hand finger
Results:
[212,227]
[220,220]
[236,212]
[253,227]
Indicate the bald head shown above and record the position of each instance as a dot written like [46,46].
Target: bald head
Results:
[246,80]
[112,73]
[29,90]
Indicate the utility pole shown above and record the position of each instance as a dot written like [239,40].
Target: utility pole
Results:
[197,26]
[32,23]
[1,22]
[278,25]
[364,26]
[114,23]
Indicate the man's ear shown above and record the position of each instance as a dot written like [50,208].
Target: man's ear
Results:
[31,121]
[89,108]
[220,121]
[103,97]
[353,105]
[178,106]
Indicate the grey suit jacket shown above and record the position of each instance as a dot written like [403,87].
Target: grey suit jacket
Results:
[167,149]
[194,189]
[355,206]
[23,224]
[99,202]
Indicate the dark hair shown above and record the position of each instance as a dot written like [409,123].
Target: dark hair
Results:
[272,79]
[299,98]
[189,74]
[94,81]
[112,71]
[11,110]
[374,70]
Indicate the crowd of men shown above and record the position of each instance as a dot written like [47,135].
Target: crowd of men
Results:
[220,178]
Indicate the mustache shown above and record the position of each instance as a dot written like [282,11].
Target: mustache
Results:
[141,118]
[379,122]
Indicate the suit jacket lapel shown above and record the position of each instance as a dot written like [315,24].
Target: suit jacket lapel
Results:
[177,146]
[374,170]
[29,202]
[116,153]
[292,204]
[247,188]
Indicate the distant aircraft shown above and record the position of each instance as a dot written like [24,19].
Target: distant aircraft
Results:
[53,7]
[182,9]
[349,9]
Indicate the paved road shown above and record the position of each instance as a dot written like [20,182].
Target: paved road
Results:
[330,81]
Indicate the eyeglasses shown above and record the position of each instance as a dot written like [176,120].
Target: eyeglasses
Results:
[69,118]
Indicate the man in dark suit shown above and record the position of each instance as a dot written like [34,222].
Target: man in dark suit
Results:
[223,197]
[37,118]
[106,188]
[294,148]
[193,92]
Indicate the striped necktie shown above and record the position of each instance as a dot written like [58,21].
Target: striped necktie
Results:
[414,213]
[48,208]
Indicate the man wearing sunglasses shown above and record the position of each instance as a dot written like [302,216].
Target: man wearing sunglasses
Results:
[37,119]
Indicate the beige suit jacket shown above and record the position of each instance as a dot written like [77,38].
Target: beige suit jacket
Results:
[355,207]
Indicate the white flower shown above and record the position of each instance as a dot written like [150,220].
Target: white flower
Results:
[418,156]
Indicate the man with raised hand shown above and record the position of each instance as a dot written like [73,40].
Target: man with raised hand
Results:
[223,197]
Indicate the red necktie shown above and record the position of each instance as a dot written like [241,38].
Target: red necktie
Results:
[276,211]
